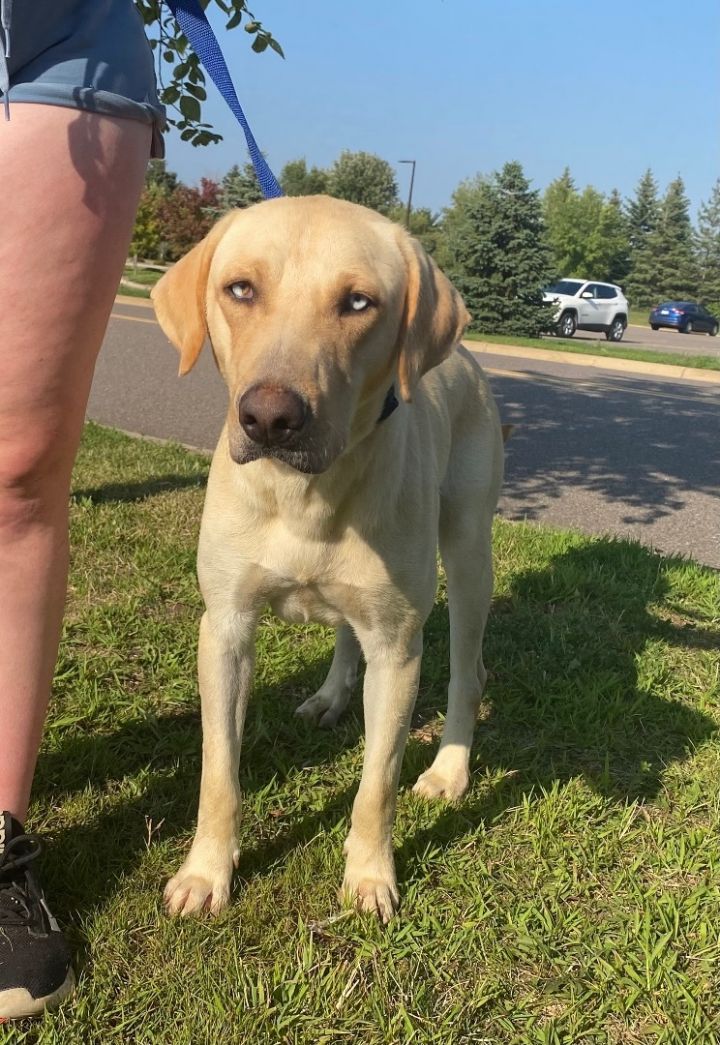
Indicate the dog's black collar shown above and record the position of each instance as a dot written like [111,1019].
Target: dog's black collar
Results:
[391,402]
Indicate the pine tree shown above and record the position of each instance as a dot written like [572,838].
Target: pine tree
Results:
[708,249]
[498,254]
[643,215]
[674,243]
[239,188]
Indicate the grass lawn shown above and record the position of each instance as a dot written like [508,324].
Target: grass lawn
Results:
[573,897]
[133,292]
[148,277]
[600,348]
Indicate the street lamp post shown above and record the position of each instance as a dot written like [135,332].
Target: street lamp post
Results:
[409,202]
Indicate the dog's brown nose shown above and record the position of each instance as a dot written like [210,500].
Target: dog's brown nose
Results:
[270,415]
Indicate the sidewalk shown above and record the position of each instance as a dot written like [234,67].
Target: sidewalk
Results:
[627,366]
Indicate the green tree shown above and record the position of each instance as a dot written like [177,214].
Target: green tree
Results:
[643,215]
[424,226]
[364,178]
[498,255]
[239,188]
[606,244]
[185,93]
[560,204]
[612,232]
[297,180]
[708,249]
[147,238]
[587,232]
[674,244]
[160,177]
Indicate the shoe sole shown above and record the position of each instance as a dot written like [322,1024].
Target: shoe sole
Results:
[18,1003]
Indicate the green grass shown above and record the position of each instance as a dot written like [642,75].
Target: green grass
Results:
[573,897]
[639,317]
[148,277]
[601,348]
[142,275]
[133,292]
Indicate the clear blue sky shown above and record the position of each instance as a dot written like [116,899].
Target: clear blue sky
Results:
[608,89]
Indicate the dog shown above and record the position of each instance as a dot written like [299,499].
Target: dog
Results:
[359,436]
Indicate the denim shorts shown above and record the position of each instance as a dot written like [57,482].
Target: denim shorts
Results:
[82,54]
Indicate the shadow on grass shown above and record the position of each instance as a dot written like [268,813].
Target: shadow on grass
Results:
[564,701]
[132,492]
[564,698]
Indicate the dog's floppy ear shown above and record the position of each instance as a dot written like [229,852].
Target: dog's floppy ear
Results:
[434,319]
[179,297]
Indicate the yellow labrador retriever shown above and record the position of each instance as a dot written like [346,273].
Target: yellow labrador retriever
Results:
[328,496]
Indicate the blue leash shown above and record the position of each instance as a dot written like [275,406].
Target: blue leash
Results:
[193,21]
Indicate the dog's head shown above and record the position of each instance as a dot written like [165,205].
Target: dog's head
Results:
[314,307]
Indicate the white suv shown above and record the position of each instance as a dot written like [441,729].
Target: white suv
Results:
[584,305]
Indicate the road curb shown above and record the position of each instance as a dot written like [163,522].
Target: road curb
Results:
[627,366]
[128,299]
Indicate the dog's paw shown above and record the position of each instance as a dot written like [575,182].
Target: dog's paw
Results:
[198,890]
[323,708]
[435,783]
[379,896]
[369,883]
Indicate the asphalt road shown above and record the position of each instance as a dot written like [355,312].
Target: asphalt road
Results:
[662,340]
[600,450]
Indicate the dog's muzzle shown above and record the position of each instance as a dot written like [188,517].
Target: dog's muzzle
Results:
[272,416]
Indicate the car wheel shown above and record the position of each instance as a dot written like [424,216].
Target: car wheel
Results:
[714,330]
[567,325]
[616,330]
[654,327]
[688,328]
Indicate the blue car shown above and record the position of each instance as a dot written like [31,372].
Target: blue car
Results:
[685,316]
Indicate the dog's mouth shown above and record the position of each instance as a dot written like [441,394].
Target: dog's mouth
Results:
[308,461]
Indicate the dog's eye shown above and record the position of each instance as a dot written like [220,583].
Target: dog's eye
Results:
[357,303]
[242,290]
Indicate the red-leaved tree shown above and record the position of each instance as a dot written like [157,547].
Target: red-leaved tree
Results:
[186,215]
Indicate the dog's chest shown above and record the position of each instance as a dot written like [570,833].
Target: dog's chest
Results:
[305,603]
[325,584]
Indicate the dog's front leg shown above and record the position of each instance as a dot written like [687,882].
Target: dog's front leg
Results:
[391,683]
[225,666]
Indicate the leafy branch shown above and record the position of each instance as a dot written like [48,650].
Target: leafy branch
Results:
[183,93]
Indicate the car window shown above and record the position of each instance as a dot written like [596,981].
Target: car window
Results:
[564,286]
[606,293]
[592,288]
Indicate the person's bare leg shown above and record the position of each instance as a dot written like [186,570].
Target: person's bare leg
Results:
[69,187]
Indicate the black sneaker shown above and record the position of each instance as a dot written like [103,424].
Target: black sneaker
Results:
[35,970]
